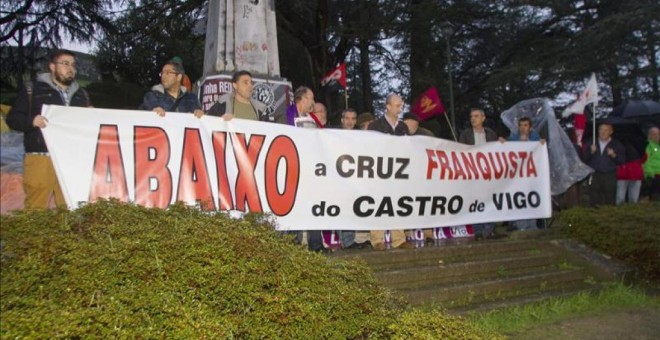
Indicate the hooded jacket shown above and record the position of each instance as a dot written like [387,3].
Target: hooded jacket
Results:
[44,92]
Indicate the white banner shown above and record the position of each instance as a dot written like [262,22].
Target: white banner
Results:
[309,179]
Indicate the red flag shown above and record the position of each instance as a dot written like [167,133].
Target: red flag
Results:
[579,123]
[337,75]
[428,105]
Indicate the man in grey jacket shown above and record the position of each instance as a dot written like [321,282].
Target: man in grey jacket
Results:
[239,103]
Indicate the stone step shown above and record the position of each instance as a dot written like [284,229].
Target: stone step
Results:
[463,275]
[453,273]
[432,256]
[538,297]
[492,290]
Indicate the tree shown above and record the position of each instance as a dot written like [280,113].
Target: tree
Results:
[45,24]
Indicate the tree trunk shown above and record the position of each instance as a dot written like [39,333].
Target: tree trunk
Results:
[420,29]
[652,53]
[365,75]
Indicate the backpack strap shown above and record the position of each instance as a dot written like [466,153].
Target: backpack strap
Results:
[88,102]
[176,103]
[29,89]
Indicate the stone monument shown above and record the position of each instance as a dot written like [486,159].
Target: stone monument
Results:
[242,35]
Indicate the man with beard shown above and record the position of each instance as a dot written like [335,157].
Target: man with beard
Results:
[57,87]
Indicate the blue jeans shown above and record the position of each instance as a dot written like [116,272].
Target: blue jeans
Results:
[524,224]
[629,189]
[347,237]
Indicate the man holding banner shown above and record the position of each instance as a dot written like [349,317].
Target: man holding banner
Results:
[391,124]
[239,103]
[58,87]
[479,135]
[170,95]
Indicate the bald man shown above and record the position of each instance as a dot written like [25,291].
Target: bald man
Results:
[391,124]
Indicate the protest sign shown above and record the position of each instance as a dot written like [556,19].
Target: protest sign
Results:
[312,179]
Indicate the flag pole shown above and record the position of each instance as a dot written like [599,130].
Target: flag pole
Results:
[450,127]
[593,131]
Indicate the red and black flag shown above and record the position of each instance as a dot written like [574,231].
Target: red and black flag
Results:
[335,79]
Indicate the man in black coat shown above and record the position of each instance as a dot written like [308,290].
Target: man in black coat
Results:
[603,156]
[57,87]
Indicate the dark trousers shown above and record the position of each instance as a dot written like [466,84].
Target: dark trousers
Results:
[655,189]
[314,239]
[603,188]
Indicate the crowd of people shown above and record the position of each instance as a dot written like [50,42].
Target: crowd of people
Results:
[619,168]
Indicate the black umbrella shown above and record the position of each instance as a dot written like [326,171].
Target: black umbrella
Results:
[636,109]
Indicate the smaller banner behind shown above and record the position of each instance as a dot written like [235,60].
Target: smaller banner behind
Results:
[309,179]
[275,94]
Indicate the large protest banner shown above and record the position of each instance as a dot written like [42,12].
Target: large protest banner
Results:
[307,178]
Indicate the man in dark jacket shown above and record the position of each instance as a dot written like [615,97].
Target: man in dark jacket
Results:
[391,124]
[170,95]
[478,135]
[603,156]
[58,87]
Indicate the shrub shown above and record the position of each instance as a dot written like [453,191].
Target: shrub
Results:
[628,232]
[118,270]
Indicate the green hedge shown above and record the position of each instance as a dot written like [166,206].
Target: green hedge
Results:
[119,270]
[629,232]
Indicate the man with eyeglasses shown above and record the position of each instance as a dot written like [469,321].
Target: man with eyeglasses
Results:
[57,87]
[170,95]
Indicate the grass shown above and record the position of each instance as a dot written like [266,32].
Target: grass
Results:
[616,296]
[627,232]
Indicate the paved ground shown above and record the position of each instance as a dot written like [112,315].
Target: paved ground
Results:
[638,324]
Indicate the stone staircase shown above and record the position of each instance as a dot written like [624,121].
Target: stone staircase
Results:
[464,275]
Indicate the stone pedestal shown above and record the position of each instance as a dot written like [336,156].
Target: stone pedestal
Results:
[242,35]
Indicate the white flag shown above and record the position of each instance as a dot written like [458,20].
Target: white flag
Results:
[588,96]
[577,107]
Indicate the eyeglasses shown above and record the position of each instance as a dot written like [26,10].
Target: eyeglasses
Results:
[167,73]
[66,63]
